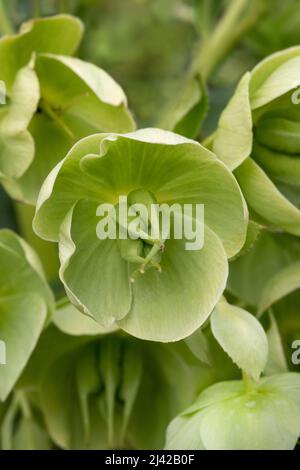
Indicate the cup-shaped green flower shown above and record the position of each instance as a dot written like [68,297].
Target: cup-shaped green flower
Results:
[120,392]
[52,101]
[228,417]
[258,136]
[175,288]
[25,302]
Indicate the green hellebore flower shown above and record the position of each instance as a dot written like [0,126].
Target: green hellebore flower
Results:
[227,417]
[121,392]
[258,137]
[147,164]
[25,301]
[53,100]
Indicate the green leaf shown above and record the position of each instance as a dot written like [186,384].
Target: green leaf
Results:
[21,321]
[69,320]
[162,312]
[280,285]
[269,254]
[233,140]
[242,337]
[199,346]
[276,359]
[183,433]
[265,199]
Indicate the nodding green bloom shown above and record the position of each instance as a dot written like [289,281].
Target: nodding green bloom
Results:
[258,137]
[25,303]
[120,392]
[175,289]
[228,417]
[52,101]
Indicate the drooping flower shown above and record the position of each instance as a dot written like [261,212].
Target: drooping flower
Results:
[107,391]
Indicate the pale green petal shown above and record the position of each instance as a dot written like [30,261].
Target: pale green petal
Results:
[265,199]
[233,140]
[91,268]
[16,143]
[274,77]
[243,338]
[63,187]
[170,305]
[83,91]
[59,34]
[22,318]
[276,363]
[183,433]
[71,321]
[199,346]
[269,254]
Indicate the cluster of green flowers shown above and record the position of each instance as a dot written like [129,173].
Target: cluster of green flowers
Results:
[80,372]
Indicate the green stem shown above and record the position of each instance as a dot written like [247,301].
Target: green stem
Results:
[23,403]
[248,382]
[5,24]
[44,106]
[231,28]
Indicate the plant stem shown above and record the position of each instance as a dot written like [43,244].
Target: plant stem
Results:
[44,106]
[227,33]
[5,24]
[248,382]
